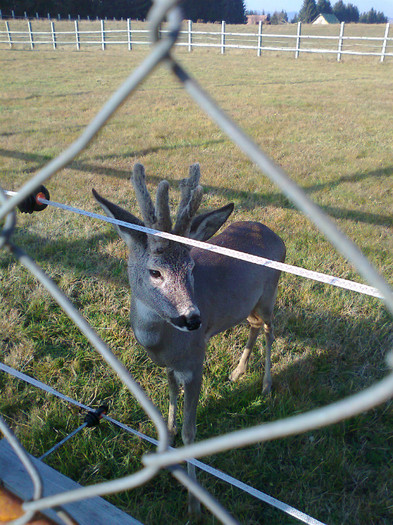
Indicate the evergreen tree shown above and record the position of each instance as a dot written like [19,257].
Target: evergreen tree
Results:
[232,11]
[339,10]
[279,17]
[325,7]
[373,17]
[352,13]
[308,13]
[346,13]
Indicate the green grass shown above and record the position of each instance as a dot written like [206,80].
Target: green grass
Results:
[329,126]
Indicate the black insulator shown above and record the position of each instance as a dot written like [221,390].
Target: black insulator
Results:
[93,417]
[31,203]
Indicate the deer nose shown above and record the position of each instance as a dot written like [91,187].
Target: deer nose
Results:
[187,323]
[194,322]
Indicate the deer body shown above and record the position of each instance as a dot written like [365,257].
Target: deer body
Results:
[180,298]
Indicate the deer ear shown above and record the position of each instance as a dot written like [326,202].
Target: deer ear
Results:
[132,238]
[206,225]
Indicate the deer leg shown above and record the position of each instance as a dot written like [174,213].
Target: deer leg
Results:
[192,390]
[267,378]
[255,326]
[173,394]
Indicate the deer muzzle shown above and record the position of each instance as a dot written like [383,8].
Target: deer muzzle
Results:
[187,323]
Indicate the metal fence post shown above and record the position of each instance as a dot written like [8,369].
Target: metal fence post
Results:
[7,28]
[385,42]
[52,27]
[189,36]
[30,35]
[129,35]
[340,41]
[223,37]
[77,39]
[259,52]
[298,34]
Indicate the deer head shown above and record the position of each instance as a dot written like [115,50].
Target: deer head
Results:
[160,270]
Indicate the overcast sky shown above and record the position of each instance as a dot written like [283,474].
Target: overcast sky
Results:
[269,6]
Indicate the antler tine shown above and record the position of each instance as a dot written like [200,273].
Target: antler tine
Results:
[164,222]
[191,196]
[146,205]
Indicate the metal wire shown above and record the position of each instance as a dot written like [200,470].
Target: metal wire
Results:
[367,399]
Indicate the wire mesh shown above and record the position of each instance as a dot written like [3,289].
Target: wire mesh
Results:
[163,457]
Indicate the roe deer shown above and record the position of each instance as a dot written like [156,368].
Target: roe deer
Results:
[181,297]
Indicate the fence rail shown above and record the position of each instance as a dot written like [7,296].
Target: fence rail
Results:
[98,33]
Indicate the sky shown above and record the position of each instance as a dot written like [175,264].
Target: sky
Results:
[269,6]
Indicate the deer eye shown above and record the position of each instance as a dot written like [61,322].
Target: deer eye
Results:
[155,274]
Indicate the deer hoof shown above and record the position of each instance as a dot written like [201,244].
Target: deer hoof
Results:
[267,388]
[234,376]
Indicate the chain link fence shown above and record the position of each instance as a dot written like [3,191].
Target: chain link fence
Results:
[164,457]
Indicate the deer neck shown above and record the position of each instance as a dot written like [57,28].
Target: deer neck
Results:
[147,325]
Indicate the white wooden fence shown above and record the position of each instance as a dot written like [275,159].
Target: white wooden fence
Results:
[99,34]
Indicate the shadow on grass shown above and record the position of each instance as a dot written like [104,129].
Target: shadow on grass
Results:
[307,470]
[245,200]
[81,256]
[325,357]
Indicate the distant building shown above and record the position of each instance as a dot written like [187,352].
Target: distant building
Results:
[255,19]
[325,18]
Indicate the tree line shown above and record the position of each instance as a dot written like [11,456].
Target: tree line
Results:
[344,12]
[232,11]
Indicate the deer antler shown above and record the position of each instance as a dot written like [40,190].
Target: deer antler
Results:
[158,217]
[146,205]
[191,196]
[163,213]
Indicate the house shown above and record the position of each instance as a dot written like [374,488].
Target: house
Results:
[326,18]
[255,19]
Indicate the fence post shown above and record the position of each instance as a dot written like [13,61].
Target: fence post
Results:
[77,39]
[298,35]
[340,41]
[102,35]
[129,36]
[30,34]
[189,36]
[259,52]
[7,27]
[52,27]
[223,37]
[385,42]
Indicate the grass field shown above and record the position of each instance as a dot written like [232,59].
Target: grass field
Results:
[329,125]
